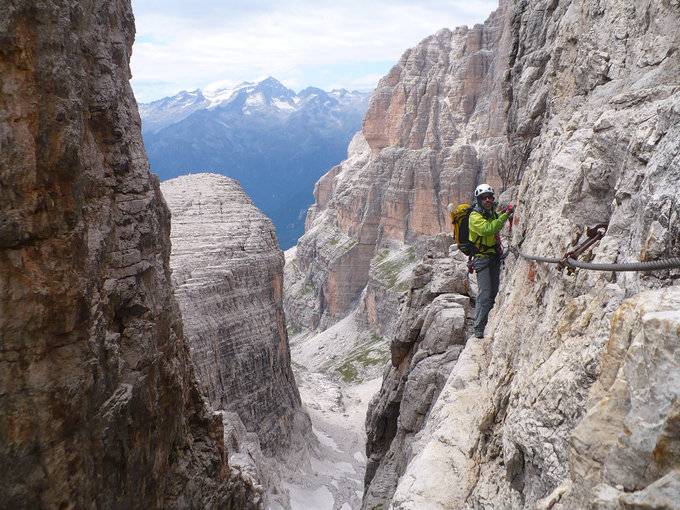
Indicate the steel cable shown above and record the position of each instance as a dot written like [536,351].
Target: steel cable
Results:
[536,258]
[651,265]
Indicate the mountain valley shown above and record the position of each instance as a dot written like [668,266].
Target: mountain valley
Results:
[275,142]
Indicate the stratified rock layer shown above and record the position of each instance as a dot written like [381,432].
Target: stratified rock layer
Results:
[228,277]
[571,399]
[99,401]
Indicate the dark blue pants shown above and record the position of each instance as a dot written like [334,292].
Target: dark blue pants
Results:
[488,271]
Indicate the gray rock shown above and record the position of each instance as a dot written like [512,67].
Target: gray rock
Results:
[450,277]
[429,338]
[228,277]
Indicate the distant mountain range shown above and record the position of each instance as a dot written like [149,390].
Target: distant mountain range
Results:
[275,142]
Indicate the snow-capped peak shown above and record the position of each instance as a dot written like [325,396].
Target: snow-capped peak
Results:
[258,94]
[268,97]
[224,95]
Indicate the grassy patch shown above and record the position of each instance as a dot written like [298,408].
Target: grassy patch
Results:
[388,268]
[381,256]
[371,353]
[343,242]
[351,244]
[308,289]
[348,372]
[411,254]
[403,286]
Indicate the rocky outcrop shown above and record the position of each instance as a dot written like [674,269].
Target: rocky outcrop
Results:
[228,276]
[99,401]
[626,449]
[429,338]
[571,399]
[433,130]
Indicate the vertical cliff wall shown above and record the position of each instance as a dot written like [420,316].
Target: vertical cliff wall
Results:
[228,275]
[434,129]
[571,399]
[99,406]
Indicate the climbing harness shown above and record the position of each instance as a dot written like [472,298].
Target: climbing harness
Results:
[594,234]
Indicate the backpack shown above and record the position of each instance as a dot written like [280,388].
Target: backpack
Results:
[461,229]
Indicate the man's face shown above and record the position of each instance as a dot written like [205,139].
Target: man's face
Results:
[487,201]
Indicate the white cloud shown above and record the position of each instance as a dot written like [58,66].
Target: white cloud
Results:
[184,45]
[364,82]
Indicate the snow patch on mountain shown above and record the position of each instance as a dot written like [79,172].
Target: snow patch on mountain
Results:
[275,142]
[256,100]
[283,105]
[268,95]
[219,97]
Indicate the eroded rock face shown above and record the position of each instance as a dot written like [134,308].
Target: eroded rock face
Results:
[551,409]
[433,131]
[98,397]
[629,438]
[228,275]
[430,335]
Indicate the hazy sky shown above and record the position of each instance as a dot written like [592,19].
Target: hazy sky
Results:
[182,45]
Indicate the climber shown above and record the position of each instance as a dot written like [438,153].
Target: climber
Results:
[484,225]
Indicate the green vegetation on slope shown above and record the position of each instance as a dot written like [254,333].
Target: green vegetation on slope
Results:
[372,352]
[387,266]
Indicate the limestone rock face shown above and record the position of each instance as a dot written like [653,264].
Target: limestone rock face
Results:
[570,401]
[429,337]
[228,276]
[432,131]
[629,437]
[99,401]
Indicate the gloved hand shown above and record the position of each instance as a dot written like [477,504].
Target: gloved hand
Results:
[510,211]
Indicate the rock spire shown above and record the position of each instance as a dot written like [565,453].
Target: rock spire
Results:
[228,275]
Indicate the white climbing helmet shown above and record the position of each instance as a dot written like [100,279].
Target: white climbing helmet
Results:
[482,189]
[450,207]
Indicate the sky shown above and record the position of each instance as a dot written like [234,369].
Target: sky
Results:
[207,44]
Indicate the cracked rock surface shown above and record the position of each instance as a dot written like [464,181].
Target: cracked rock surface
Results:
[99,401]
[570,401]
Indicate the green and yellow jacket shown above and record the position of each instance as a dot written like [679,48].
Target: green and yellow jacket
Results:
[483,230]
